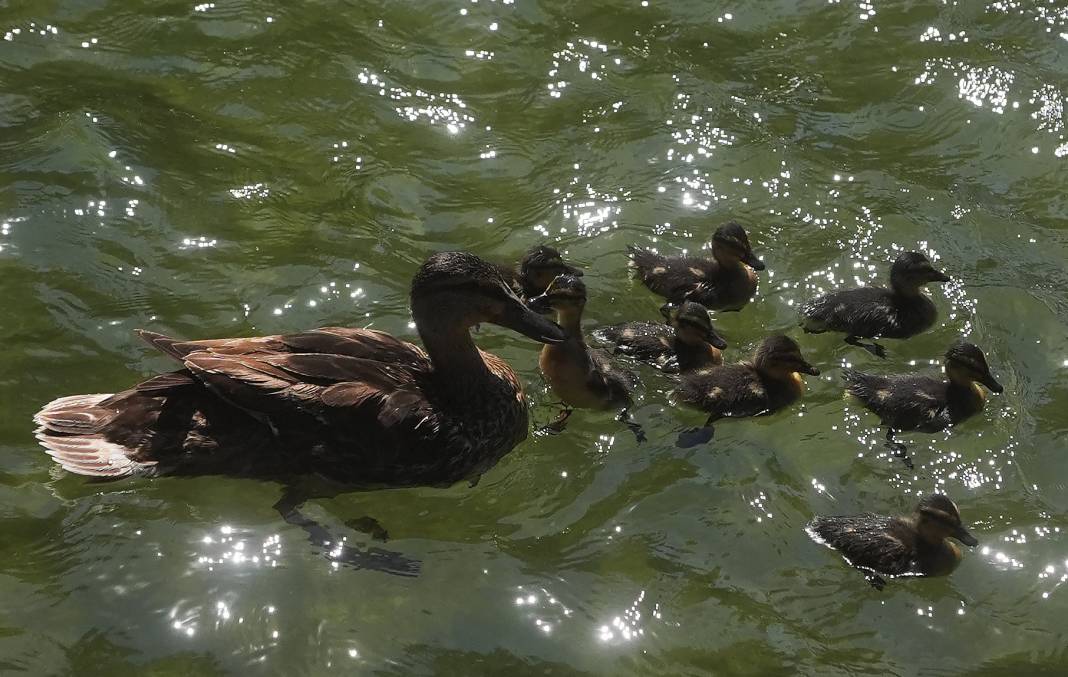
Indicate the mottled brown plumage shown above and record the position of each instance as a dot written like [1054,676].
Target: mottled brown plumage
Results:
[356,406]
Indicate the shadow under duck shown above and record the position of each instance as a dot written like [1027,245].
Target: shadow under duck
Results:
[582,377]
[912,545]
[356,407]
[770,381]
[724,282]
[926,403]
[898,312]
[689,343]
[539,266]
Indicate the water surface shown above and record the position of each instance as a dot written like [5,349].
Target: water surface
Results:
[234,168]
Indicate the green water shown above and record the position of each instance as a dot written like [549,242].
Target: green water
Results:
[239,168]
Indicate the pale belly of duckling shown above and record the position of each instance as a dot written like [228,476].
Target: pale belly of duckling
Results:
[568,371]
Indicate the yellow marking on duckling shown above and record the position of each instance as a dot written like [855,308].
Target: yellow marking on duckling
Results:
[756,389]
[659,270]
[715,392]
[882,394]
[798,382]
[697,272]
[628,333]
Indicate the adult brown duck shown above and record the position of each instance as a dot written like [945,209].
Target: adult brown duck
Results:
[357,407]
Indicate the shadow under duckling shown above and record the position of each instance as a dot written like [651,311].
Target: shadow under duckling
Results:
[689,343]
[725,282]
[912,545]
[929,404]
[898,312]
[539,266]
[771,381]
[581,376]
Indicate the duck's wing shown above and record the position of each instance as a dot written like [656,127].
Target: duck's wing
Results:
[902,402]
[866,541]
[361,343]
[330,388]
[866,312]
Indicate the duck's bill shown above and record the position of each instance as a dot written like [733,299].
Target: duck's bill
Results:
[991,384]
[965,537]
[540,304]
[530,323]
[717,341]
[939,276]
[572,270]
[806,368]
[753,262]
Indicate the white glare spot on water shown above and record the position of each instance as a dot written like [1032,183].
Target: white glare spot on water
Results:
[415,105]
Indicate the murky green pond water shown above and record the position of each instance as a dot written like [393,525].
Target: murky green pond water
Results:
[233,168]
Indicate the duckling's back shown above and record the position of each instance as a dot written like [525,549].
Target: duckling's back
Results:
[732,390]
[869,312]
[904,402]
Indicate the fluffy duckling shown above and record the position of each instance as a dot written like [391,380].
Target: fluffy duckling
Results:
[536,270]
[725,282]
[771,381]
[580,376]
[901,311]
[926,403]
[689,343]
[912,545]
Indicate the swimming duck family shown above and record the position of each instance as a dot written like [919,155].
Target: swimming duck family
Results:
[688,343]
[898,311]
[910,545]
[364,409]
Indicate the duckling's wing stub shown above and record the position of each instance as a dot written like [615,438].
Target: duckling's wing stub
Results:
[867,312]
[613,383]
[902,402]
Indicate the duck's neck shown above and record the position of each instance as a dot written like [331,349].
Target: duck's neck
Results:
[695,356]
[725,258]
[570,320]
[458,365]
[905,288]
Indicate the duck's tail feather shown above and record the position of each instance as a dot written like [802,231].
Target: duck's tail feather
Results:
[642,259]
[69,429]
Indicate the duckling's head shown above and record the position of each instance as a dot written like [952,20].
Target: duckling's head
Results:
[457,290]
[541,265]
[780,356]
[966,363]
[730,243]
[912,270]
[565,295]
[937,518]
[694,326]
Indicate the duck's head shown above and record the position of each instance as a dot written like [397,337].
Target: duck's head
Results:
[694,326]
[937,518]
[541,265]
[912,270]
[781,356]
[565,295]
[730,243]
[966,363]
[458,289]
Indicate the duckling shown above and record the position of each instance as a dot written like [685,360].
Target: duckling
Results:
[689,343]
[725,282]
[582,377]
[537,269]
[771,381]
[928,404]
[356,407]
[912,545]
[899,312]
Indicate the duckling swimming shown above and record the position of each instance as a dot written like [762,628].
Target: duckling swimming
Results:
[580,376]
[540,266]
[357,407]
[725,282]
[689,343]
[771,381]
[901,311]
[926,403]
[913,545]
